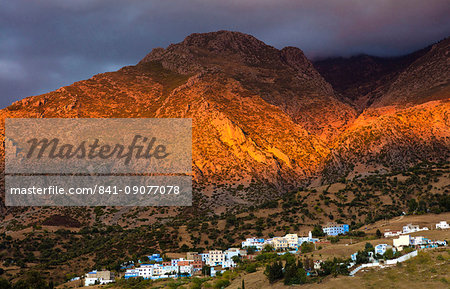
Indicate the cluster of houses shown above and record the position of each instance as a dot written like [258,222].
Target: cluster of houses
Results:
[419,242]
[185,267]
[400,243]
[404,240]
[379,249]
[410,228]
[218,260]
[407,229]
[289,241]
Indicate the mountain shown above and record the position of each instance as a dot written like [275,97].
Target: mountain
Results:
[266,121]
[362,79]
[283,78]
[426,79]
[368,81]
[403,105]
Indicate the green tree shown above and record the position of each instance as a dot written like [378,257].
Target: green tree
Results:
[236,259]
[412,205]
[317,231]
[251,268]
[33,280]
[389,254]
[334,267]
[294,273]
[362,257]
[369,247]
[307,247]
[274,272]
[251,250]
[378,233]
[221,283]
[268,248]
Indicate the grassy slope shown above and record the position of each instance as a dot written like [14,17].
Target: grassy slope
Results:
[429,270]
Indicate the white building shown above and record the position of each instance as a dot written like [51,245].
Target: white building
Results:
[392,234]
[333,229]
[292,240]
[442,225]
[381,248]
[308,239]
[229,254]
[258,243]
[186,270]
[232,252]
[98,277]
[402,241]
[280,243]
[410,228]
[158,271]
[216,258]
[174,262]
[205,257]
[419,240]
[171,270]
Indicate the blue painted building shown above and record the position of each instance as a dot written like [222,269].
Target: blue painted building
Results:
[333,229]
[381,248]
[155,257]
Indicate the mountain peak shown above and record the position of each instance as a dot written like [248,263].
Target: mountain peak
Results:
[189,55]
[225,41]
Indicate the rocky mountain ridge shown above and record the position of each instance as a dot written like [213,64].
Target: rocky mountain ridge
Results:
[265,120]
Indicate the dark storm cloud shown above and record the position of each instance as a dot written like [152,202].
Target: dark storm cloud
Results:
[50,43]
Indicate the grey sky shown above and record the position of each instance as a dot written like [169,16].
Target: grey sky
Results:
[47,44]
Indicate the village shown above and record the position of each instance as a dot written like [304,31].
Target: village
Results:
[216,262]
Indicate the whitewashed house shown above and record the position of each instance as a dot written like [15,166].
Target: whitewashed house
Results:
[381,248]
[292,241]
[280,243]
[334,229]
[229,254]
[258,243]
[402,241]
[392,234]
[442,225]
[410,228]
[419,240]
[186,270]
[205,257]
[216,258]
[98,277]
[308,239]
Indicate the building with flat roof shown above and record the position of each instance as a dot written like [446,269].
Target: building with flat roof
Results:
[98,277]
[333,229]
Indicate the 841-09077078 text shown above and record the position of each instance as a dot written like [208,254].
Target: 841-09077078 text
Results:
[97,189]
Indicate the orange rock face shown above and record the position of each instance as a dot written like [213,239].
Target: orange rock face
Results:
[264,119]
